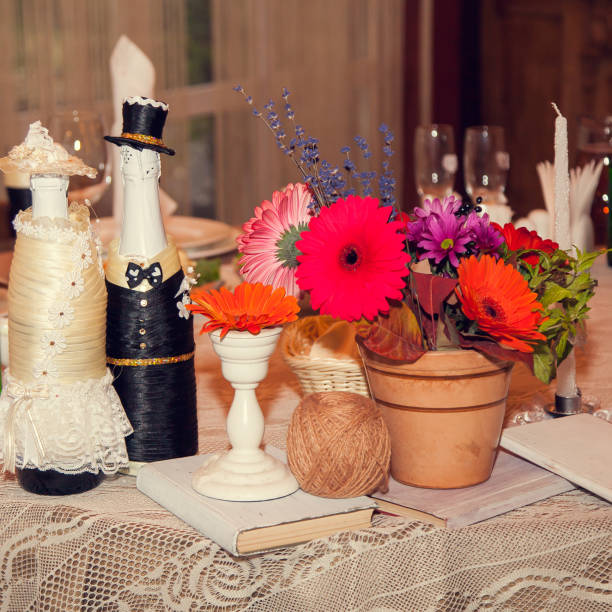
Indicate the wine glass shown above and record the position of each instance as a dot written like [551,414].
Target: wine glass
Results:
[594,143]
[81,133]
[435,160]
[486,164]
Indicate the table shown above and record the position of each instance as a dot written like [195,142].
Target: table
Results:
[114,549]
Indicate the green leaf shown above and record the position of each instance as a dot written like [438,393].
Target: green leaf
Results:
[586,260]
[580,283]
[208,270]
[571,312]
[549,323]
[562,345]
[582,298]
[553,292]
[543,363]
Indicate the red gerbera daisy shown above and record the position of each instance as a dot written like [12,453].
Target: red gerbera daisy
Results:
[521,238]
[498,298]
[353,259]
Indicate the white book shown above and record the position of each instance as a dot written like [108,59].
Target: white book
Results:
[513,483]
[244,528]
[577,447]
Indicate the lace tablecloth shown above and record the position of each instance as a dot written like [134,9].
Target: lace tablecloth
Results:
[114,549]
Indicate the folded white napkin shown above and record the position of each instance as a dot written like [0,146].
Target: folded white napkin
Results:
[498,213]
[583,183]
[542,220]
[132,74]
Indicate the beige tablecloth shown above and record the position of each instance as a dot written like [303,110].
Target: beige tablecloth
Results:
[114,549]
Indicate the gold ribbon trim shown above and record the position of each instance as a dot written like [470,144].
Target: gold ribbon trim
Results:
[144,138]
[150,361]
[22,396]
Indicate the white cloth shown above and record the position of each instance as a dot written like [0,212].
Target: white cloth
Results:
[125,550]
[114,547]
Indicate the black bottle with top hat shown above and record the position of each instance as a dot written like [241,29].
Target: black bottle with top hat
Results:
[149,345]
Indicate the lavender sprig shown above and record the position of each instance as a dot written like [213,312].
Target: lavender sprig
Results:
[326,181]
[272,122]
[386,181]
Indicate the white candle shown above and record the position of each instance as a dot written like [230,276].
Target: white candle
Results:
[566,372]
[562,209]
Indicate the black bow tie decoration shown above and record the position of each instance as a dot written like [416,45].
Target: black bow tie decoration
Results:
[134,274]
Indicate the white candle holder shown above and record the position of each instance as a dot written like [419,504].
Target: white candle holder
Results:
[244,473]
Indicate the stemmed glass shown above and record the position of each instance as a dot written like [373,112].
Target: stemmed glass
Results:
[435,160]
[81,133]
[594,143]
[486,164]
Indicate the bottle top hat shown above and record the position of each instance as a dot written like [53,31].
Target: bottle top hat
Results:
[143,124]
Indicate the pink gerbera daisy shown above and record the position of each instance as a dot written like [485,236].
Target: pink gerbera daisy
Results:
[267,244]
[353,259]
[247,228]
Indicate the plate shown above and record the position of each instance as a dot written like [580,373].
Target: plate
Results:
[221,248]
[188,232]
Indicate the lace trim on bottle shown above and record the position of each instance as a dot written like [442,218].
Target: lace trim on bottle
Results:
[70,428]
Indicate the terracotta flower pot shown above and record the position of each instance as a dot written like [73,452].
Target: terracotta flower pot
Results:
[444,413]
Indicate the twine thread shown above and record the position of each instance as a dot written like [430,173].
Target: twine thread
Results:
[338,445]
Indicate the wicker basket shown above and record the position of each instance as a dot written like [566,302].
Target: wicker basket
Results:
[318,374]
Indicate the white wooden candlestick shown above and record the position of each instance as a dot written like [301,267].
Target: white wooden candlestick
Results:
[244,473]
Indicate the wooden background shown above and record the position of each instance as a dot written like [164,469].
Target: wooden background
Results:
[350,64]
[508,61]
[342,60]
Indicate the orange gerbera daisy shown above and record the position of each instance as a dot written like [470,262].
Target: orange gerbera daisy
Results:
[249,308]
[498,298]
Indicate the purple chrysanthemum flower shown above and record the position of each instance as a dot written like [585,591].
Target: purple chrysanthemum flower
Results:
[415,229]
[450,205]
[486,238]
[444,236]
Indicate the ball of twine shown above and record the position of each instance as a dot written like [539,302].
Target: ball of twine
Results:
[338,445]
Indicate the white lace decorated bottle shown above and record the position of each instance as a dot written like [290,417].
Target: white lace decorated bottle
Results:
[150,344]
[49,200]
[62,422]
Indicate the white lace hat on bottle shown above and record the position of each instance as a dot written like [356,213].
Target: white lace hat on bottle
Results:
[38,154]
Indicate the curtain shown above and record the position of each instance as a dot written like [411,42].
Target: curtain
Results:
[56,57]
[342,63]
[341,60]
